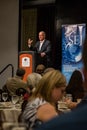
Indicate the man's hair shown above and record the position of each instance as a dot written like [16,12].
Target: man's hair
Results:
[40,69]
[20,72]
[43,33]
[84,54]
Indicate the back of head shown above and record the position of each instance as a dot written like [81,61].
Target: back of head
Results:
[20,72]
[75,85]
[48,69]
[76,80]
[40,69]
[20,91]
[76,77]
[33,79]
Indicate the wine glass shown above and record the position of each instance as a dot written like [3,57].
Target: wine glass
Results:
[4,96]
[69,97]
[14,99]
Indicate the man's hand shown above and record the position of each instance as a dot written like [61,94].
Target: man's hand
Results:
[30,42]
[43,54]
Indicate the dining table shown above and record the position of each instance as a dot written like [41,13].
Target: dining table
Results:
[9,112]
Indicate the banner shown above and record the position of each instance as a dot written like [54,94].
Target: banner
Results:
[73,37]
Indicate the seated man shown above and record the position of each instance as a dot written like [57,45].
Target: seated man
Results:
[16,82]
[40,69]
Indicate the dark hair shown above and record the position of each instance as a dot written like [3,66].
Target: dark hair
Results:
[75,85]
[20,91]
[20,72]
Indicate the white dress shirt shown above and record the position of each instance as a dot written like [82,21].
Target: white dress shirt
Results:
[41,43]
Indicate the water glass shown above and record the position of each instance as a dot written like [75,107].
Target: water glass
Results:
[4,96]
[68,97]
[14,99]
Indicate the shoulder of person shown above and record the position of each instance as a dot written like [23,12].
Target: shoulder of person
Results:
[46,112]
[48,41]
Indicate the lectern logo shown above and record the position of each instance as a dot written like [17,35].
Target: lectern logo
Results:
[25,62]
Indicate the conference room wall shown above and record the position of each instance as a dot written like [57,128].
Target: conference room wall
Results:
[9,17]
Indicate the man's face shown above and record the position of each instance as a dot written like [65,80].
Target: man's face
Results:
[41,36]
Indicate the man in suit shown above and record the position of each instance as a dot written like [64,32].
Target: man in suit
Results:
[76,119]
[43,49]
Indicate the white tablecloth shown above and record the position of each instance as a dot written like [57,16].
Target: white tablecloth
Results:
[8,113]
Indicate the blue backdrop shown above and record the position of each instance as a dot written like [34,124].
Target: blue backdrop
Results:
[72,42]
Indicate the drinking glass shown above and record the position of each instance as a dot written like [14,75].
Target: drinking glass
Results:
[4,96]
[14,99]
[68,97]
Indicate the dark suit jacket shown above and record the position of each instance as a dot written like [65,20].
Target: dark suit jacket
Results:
[83,102]
[46,47]
[75,120]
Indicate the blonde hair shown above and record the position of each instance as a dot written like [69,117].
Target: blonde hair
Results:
[52,79]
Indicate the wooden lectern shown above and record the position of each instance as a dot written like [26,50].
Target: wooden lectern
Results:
[27,60]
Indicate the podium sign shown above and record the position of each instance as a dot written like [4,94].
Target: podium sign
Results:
[27,60]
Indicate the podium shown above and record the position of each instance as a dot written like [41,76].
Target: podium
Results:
[27,60]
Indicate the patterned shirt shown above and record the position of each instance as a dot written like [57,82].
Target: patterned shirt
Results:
[29,115]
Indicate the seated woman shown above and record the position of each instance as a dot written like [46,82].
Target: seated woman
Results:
[42,104]
[75,88]
[32,81]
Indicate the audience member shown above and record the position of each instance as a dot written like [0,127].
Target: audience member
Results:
[48,69]
[75,86]
[40,69]
[16,82]
[42,104]
[43,49]
[84,100]
[76,119]
[21,91]
[32,81]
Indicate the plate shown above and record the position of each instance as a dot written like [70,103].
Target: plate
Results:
[5,105]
